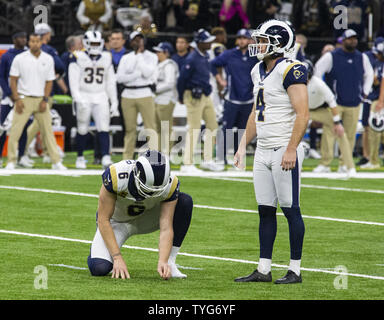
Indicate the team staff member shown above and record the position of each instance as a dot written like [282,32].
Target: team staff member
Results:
[194,89]
[238,100]
[137,71]
[19,42]
[182,50]
[351,74]
[279,121]
[320,97]
[166,94]
[32,73]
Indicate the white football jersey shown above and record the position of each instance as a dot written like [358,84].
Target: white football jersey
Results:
[118,179]
[87,75]
[275,115]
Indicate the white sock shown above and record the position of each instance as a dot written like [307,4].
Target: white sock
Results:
[294,265]
[264,265]
[173,255]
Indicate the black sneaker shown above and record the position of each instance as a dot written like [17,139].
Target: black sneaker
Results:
[255,276]
[290,277]
[362,161]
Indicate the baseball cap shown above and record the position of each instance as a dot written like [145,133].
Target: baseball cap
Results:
[164,47]
[42,28]
[243,33]
[203,36]
[349,33]
[134,34]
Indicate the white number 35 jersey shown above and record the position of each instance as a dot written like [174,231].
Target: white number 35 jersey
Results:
[275,115]
[91,74]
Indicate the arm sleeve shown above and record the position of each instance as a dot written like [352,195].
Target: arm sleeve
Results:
[80,14]
[4,78]
[108,13]
[170,79]
[324,65]
[174,191]
[147,68]
[368,75]
[328,95]
[107,178]
[295,73]
[74,80]
[220,61]
[111,85]
[15,69]
[51,73]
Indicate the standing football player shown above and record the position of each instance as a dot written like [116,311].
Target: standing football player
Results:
[93,86]
[139,197]
[278,121]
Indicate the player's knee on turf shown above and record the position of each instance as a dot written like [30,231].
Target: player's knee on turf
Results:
[99,267]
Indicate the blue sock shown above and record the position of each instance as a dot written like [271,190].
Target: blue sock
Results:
[81,140]
[103,138]
[267,230]
[296,231]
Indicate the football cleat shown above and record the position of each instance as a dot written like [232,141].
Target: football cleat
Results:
[24,162]
[255,276]
[289,278]
[81,163]
[106,161]
[59,166]
[322,169]
[175,272]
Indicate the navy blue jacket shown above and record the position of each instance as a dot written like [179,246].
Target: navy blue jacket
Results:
[59,65]
[347,77]
[195,74]
[180,60]
[5,67]
[238,67]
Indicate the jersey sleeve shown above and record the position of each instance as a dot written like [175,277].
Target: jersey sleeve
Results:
[109,178]
[173,193]
[295,73]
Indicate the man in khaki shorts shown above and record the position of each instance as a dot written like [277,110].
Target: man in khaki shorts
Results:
[137,72]
[31,76]
[194,89]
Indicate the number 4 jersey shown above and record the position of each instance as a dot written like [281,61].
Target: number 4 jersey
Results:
[275,115]
[91,77]
[118,179]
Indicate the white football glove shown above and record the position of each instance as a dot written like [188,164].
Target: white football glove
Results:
[114,110]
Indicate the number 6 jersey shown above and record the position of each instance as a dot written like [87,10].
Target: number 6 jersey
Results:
[91,75]
[118,179]
[275,115]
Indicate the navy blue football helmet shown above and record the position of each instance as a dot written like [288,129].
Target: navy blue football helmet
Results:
[280,38]
[152,173]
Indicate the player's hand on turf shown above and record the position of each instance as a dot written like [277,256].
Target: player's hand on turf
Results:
[120,268]
[164,269]
[288,161]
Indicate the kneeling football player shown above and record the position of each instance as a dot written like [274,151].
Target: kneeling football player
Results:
[139,197]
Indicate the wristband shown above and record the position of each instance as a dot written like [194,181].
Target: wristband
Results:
[116,255]
[45,99]
[336,119]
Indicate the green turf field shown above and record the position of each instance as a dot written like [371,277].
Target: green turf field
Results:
[54,230]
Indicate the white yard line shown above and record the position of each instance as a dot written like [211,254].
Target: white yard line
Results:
[195,205]
[188,255]
[311,186]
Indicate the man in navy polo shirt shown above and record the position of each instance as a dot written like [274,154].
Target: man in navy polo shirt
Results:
[351,77]
[194,89]
[238,100]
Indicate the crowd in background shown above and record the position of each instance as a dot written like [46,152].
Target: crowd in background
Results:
[131,27]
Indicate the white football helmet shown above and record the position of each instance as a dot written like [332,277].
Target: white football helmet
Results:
[280,38]
[152,173]
[93,42]
[376,121]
